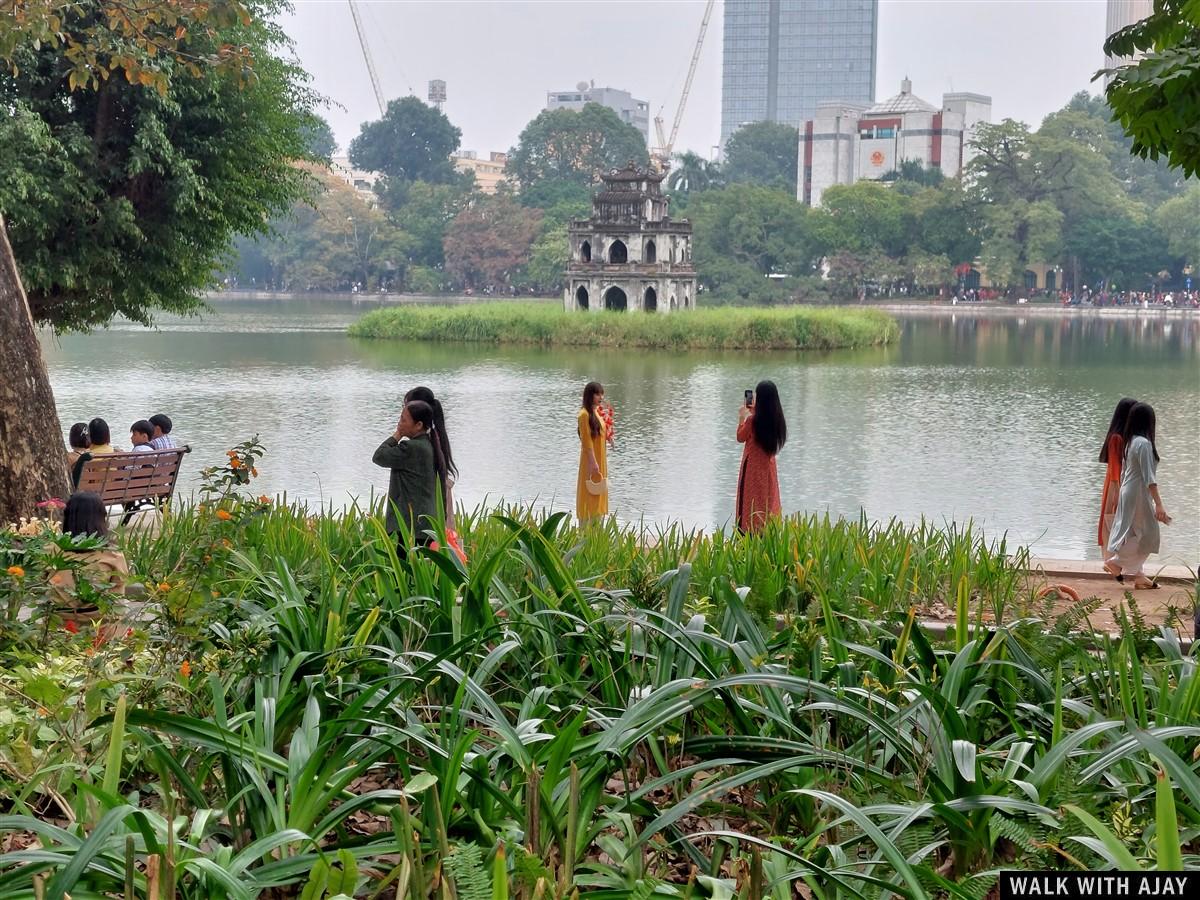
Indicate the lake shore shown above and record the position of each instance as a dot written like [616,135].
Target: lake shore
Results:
[726,328]
[941,308]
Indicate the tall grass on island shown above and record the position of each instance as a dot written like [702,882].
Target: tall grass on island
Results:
[300,711]
[725,328]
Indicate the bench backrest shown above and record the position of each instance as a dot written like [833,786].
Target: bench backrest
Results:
[126,477]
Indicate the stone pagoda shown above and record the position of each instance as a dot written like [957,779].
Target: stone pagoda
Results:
[630,255]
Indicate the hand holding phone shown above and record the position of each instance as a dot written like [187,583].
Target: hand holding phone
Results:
[749,397]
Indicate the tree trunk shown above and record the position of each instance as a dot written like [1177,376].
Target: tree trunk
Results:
[33,462]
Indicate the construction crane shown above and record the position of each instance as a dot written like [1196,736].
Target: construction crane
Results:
[362,40]
[660,156]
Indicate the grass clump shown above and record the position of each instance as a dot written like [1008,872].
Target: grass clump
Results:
[704,329]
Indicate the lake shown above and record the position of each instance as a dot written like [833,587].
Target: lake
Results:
[998,418]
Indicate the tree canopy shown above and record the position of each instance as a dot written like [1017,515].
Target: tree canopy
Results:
[1156,97]
[562,153]
[122,199]
[763,153]
[489,242]
[412,142]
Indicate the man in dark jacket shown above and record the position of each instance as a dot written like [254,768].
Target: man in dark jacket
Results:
[412,457]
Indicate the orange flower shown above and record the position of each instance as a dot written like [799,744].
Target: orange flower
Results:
[264,499]
[235,463]
[185,669]
[231,453]
[42,711]
[164,586]
[70,626]
[224,515]
[254,472]
[16,571]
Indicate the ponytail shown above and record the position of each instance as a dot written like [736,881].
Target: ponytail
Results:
[439,461]
[425,395]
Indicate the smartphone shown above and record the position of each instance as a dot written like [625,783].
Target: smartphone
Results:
[749,397]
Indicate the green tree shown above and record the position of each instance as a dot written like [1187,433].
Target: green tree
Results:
[744,233]
[422,212]
[1156,97]
[334,242]
[948,222]
[916,172]
[489,241]
[1178,221]
[1019,233]
[547,262]
[927,272]
[1036,191]
[692,173]
[763,153]
[1149,181]
[319,140]
[412,142]
[866,215]
[562,153]
[120,194]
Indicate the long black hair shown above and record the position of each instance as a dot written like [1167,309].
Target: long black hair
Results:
[85,514]
[590,391]
[770,429]
[425,395]
[98,432]
[423,413]
[1141,424]
[1117,425]
[79,436]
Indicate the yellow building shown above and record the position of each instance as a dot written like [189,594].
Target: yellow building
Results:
[488,172]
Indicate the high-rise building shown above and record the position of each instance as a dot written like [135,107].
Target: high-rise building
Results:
[783,57]
[631,110]
[1120,14]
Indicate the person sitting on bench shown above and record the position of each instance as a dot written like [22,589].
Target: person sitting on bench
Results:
[162,440]
[140,433]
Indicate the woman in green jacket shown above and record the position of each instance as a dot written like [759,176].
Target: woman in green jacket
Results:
[415,458]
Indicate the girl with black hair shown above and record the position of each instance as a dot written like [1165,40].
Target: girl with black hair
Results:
[417,469]
[80,444]
[763,431]
[441,438]
[1112,453]
[1135,532]
[103,568]
[100,437]
[591,487]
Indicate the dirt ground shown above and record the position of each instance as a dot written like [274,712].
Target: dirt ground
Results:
[1155,605]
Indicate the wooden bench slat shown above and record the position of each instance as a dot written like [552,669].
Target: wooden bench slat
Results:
[121,478]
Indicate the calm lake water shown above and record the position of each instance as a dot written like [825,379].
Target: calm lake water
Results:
[998,419]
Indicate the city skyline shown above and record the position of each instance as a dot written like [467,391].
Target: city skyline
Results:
[492,94]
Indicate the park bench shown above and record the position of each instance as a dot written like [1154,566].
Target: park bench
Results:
[130,480]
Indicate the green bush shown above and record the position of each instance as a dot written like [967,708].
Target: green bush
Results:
[709,329]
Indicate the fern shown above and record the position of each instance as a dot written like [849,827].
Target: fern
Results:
[1019,834]
[976,887]
[465,865]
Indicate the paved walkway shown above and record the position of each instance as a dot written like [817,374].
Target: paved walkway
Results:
[1079,568]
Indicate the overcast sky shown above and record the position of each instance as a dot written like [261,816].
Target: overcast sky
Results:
[500,57]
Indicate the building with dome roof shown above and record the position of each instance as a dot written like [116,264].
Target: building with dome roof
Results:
[847,142]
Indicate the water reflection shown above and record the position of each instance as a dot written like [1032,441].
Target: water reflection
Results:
[998,419]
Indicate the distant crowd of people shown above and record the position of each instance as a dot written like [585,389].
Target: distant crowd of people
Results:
[1166,299]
